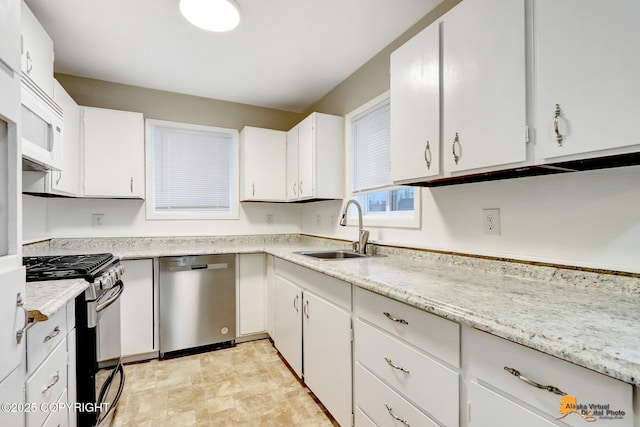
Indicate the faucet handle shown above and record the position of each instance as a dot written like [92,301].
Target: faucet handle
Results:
[354,246]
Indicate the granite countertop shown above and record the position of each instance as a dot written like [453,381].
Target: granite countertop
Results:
[587,318]
[42,299]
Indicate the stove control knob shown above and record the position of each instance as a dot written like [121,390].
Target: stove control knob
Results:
[120,269]
[106,281]
[113,274]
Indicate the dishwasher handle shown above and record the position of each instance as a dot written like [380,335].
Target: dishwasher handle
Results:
[216,266]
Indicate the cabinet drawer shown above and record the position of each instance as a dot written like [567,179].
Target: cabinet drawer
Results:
[430,385]
[487,355]
[435,335]
[330,288]
[58,417]
[44,337]
[47,384]
[382,405]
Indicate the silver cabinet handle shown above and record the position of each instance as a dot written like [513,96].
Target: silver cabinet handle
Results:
[253,189]
[402,420]
[456,156]
[131,185]
[549,388]
[294,188]
[29,63]
[55,333]
[295,303]
[20,304]
[399,368]
[56,378]
[305,309]
[59,177]
[427,155]
[395,319]
[556,130]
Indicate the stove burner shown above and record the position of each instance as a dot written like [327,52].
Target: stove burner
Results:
[65,266]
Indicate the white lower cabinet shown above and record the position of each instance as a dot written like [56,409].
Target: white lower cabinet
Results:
[251,294]
[137,308]
[495,393]
[406,362]
[312,331]
[287,304]
[12,392]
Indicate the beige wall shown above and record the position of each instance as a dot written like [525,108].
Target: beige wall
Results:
[372,78]
[156,104]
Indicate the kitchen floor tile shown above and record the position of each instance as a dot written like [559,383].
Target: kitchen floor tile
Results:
[247,385]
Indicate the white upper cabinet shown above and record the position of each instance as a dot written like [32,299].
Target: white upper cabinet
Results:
[315,158]
[263,168]
[587,63]
[113,153]
[415,108]
[484,88]
[10,34]
[37,52]
[67,180]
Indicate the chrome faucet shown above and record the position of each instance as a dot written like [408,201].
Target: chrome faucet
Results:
[363,235]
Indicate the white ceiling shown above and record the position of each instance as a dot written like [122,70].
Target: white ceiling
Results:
[286,54]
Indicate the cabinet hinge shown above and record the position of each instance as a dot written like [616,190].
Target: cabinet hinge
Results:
[526,134]
[353,419]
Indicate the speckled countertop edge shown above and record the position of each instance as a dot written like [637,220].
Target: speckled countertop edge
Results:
[547,309]
[43,299]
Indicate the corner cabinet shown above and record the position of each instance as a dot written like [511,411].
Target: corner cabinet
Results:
[312,331]
[587,65]
[263,167]
[315,158]
[113,143]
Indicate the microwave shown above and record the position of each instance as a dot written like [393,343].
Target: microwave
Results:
[41,124]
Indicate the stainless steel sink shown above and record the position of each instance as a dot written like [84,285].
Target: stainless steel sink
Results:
[333,254]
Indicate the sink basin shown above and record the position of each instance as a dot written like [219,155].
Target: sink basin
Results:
[332,254]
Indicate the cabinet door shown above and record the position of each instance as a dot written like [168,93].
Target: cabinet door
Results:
[288,322]
[292,164]
[263,154]
[483,84]
[12,320]
[113,153]
[10,33]
[137,308]
[587,63]
[306,158]
[67,180]
[327,355]
[12,392]
[269,295]
[489,409]
[415,107]
[37,51]
[251,293]
[72,392]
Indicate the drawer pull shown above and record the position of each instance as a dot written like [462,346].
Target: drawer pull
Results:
[399,368]
[395,319]
[402,420]
[53,334]
[56,378]
[549,388]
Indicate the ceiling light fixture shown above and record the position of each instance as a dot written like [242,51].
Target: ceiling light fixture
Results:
[211,15]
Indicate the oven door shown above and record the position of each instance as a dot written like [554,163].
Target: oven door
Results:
[109,380]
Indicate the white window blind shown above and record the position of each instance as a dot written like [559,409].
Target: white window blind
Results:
[371,149]
[191,170]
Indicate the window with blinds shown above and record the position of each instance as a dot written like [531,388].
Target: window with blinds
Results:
[192,171]
[383,204]
[371,138]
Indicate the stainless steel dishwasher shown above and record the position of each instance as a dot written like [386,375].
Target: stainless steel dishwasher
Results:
[197,303]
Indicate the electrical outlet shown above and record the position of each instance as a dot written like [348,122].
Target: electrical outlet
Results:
[491,223]
[97,220]
[269,219]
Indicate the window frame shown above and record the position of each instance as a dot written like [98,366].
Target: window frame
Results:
[394,219]
[234,204]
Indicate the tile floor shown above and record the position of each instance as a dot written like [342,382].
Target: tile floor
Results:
[247,385]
